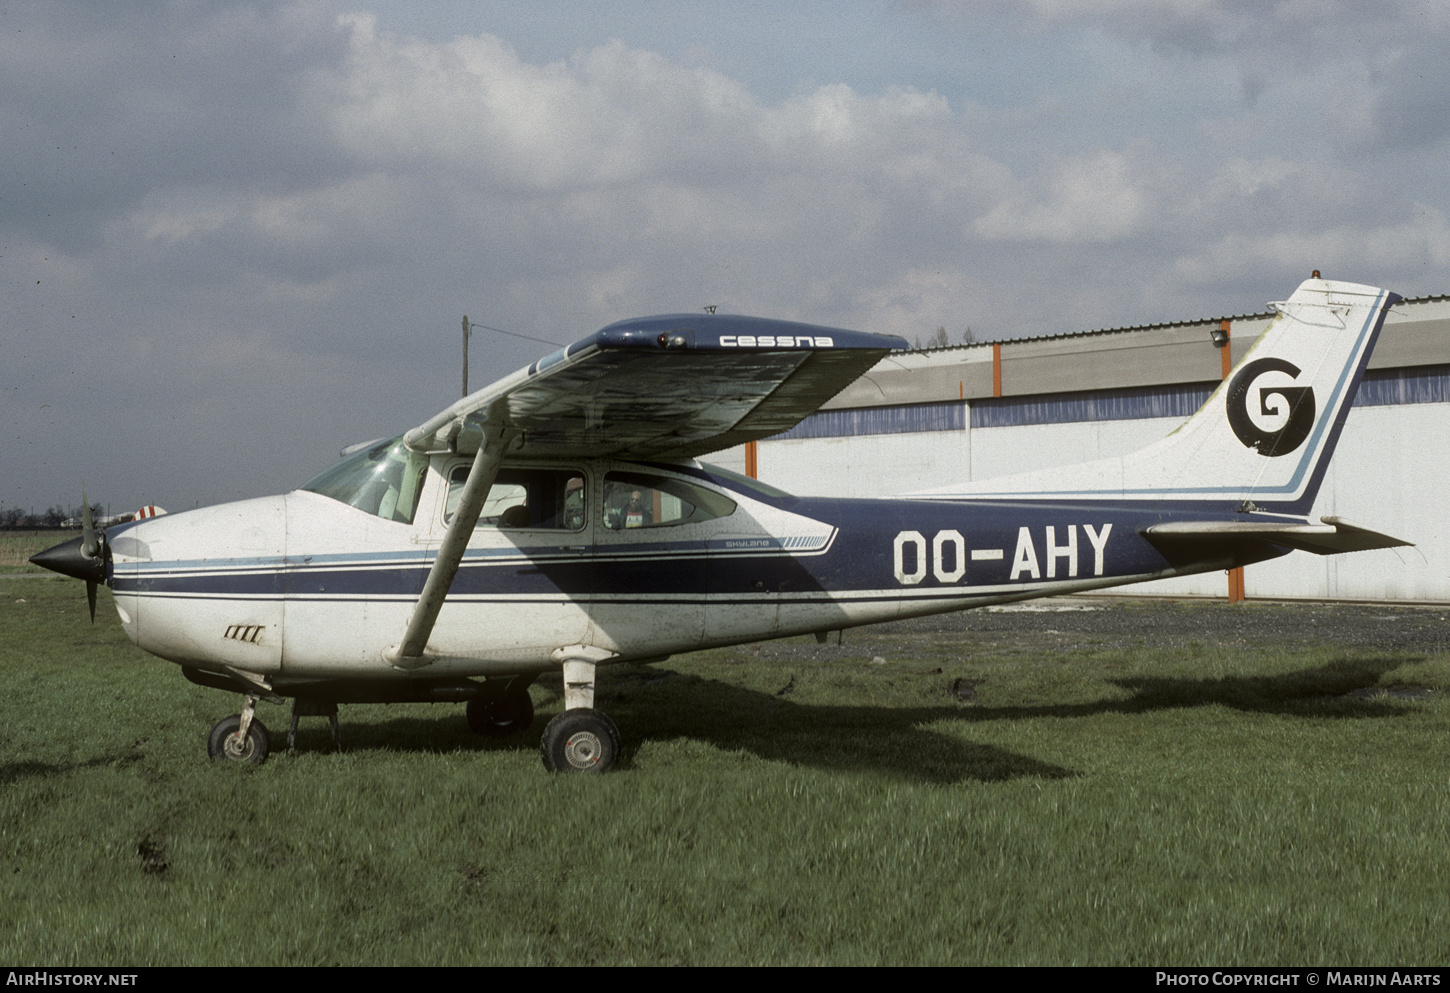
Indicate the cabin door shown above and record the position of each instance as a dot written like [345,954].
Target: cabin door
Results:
[651,563]
[522,590]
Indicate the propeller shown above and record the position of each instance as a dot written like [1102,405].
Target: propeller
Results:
[82,558]
[90,548]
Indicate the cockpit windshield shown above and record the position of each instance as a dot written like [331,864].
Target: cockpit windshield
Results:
[385,479]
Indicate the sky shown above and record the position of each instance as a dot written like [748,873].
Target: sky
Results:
[237,237]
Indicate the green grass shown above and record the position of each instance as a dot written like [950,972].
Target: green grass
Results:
[1127,806]
[16,547]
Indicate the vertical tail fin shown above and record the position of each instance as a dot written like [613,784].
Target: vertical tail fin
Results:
[1266,434]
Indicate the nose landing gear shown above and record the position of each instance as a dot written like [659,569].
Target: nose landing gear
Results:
[240,737]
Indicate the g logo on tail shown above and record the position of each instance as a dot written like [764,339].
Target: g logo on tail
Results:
[1296,404]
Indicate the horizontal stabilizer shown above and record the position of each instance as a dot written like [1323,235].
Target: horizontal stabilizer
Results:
[1331,537]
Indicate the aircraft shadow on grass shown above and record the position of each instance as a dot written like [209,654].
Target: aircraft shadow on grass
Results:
[12,772]
[883,740]
[656,705]
[1345,688]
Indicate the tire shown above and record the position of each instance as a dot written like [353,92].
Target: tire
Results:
[225,745]
[580,740]
[500,714]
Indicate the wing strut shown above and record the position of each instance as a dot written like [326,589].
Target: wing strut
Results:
[408,654]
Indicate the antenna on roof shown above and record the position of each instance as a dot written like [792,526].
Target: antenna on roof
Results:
[465,355]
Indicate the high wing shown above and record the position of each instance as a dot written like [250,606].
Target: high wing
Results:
[667,387]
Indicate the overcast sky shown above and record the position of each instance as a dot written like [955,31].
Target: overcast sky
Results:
[235,237]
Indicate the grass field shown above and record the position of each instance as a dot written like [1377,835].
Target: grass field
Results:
[16,547]
[1114,805]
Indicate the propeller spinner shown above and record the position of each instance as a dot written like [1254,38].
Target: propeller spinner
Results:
[82,558]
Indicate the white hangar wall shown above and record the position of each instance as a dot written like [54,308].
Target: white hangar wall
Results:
[1388,473]
[1390,470]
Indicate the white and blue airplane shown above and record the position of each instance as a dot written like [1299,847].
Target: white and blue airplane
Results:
[558,520]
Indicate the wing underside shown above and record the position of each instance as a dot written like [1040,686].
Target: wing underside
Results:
[663,388]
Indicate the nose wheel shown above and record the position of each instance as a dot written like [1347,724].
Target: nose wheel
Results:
[240,737]
[230,742]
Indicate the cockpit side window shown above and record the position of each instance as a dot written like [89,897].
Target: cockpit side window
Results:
[385,480]
[644,500]
[547,499]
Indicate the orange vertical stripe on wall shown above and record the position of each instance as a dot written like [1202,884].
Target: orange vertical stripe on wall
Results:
[1236,585]
[1235,576]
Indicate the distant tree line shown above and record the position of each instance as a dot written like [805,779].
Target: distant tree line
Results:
[941,339]
[19,519]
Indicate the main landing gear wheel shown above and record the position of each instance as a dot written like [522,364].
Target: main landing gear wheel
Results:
[580,740]
[225,743]
[500,713]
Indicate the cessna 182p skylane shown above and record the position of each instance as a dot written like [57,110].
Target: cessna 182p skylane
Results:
[558,520]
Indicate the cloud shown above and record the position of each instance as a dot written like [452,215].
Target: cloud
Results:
[1375,253]
[609,117]
[1088,199]
[255,226]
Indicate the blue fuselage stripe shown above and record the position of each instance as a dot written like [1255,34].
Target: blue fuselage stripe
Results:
[998,544]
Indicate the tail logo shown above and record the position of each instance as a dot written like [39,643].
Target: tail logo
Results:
[1293,405]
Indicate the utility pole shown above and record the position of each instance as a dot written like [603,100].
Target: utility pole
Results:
[465,355]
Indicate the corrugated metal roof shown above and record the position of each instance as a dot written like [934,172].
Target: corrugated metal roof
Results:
[1090,334]
[1262,316]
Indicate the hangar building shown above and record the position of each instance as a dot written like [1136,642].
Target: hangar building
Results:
[928,418]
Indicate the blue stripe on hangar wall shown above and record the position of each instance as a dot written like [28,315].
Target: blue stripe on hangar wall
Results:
[1379,388]
[880,420]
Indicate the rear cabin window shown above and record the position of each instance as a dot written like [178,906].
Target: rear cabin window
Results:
[644,500]
[549,499]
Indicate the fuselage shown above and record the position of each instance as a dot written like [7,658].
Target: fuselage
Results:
[630,560]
